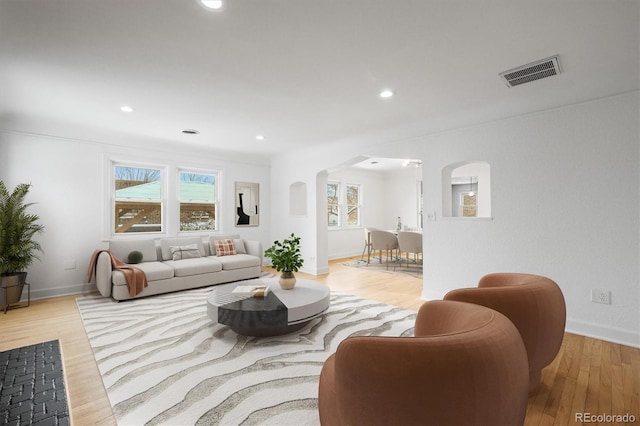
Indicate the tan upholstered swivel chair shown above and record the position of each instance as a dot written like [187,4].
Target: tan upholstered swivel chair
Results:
[467,365]
[383,240]
[535,305]
[367,243]
[410,243]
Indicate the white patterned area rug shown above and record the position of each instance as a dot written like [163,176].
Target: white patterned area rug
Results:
[163,361]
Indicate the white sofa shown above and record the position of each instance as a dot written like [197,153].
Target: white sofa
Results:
[166,275]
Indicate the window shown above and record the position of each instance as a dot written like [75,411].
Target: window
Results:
[333,205]
[337,215]
[468,203]
[198,200]
[138,199]
[353,205]
[161,199]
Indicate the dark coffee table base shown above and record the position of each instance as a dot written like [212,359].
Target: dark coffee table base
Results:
[269,331]
[279,312]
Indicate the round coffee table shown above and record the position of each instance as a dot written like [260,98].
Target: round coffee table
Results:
[280,312]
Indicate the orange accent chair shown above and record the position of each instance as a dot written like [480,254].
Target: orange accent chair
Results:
[535,305]
[466,365]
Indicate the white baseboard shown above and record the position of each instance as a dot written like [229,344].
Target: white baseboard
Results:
[343,255]
[315,271]
[431,295]
[602,332]
[60,291]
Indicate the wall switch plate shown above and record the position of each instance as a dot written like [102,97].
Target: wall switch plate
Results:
[70,264]
[600,296]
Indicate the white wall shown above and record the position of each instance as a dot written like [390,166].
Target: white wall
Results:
[401,197]
[69,187]
[578,222]
[560,208]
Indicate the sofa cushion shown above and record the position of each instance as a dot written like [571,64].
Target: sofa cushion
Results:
[201,265]
[167,243]
[237,261]
[122,248]
[213,238]
[154,271]
[239,245]
[225,247]
[190,251]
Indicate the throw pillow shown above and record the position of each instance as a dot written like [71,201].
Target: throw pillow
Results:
[134,257]
[225,247]
[185,252]
[239,245]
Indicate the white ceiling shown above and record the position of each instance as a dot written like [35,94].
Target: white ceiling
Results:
[302,72]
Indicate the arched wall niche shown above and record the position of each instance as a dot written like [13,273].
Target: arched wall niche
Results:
[474,177]
[298,199]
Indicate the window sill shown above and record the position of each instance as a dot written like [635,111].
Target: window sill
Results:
[345,228]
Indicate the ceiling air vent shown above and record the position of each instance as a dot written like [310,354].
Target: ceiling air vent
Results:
[534,71]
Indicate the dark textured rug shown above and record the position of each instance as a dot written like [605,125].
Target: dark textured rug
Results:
[32,389]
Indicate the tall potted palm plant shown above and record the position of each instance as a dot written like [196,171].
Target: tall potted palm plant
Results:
[18,248]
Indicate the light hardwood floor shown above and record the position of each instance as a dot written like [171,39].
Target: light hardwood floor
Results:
[587,376]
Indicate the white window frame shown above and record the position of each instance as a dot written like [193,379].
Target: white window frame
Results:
[216,202]
[343,219]
[358,206]
[339,206]
[110,225]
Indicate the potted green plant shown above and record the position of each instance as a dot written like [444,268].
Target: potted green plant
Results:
[18,247]
[286,258]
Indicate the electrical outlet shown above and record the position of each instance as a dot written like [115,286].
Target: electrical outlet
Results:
[600,296]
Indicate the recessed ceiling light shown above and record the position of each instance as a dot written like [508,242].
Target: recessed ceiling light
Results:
[126,108]
[212,4]
[190,132]
[260,137]
[386,94]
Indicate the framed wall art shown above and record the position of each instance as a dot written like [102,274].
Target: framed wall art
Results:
[247,204]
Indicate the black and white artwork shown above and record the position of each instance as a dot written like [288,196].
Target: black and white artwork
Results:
[247,204]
